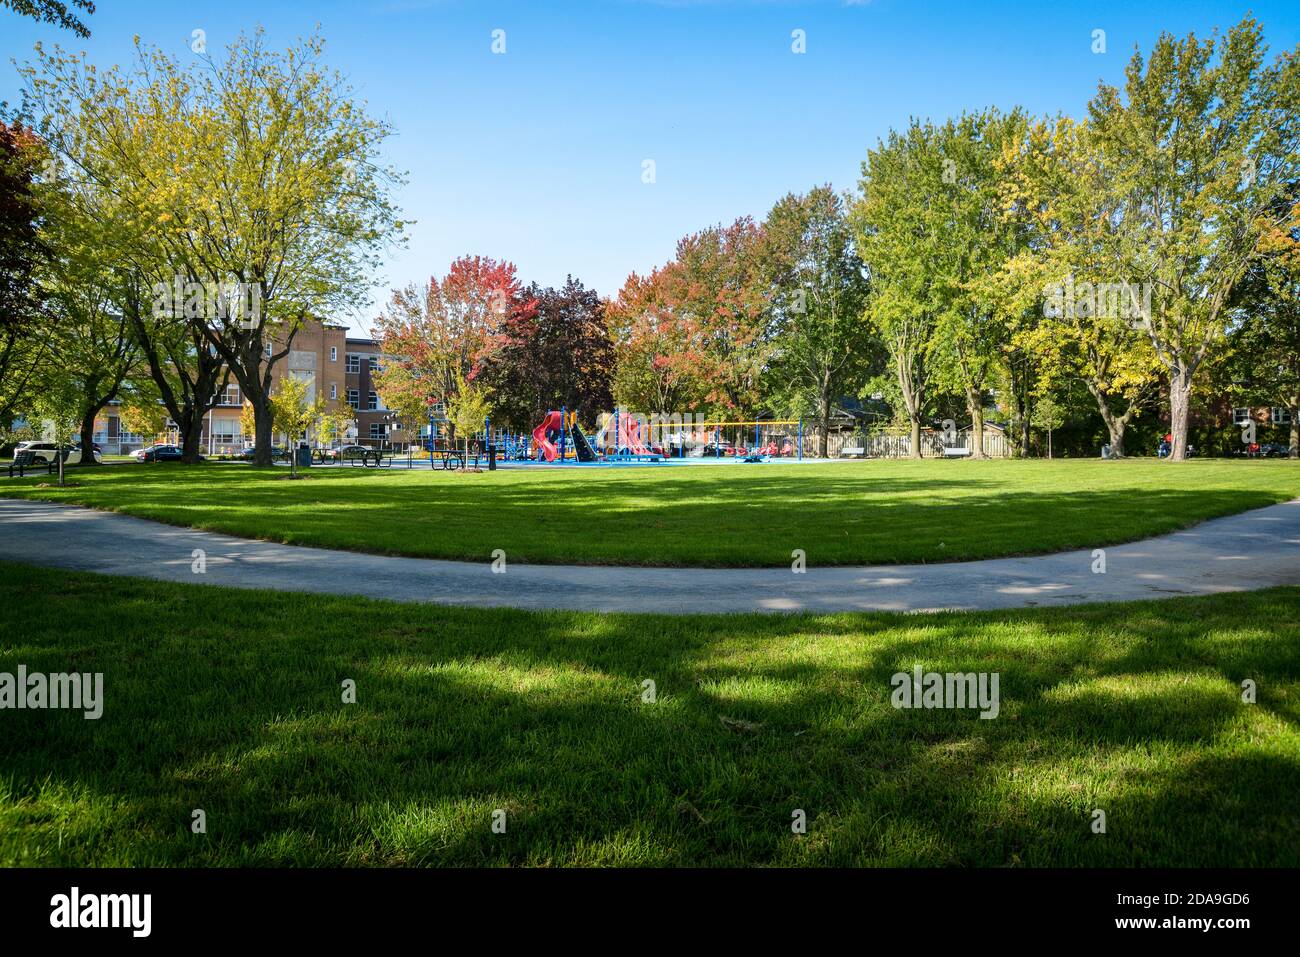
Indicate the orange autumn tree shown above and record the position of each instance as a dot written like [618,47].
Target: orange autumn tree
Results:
[436,336]
[690,335]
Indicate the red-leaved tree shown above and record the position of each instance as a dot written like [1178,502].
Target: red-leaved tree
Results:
[435,336]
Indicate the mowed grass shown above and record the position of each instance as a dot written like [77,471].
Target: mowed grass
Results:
[231,702]
[726,515]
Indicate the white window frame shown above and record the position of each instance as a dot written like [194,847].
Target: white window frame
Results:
[372,401]
[334,390]
[1280,415]
[1240,415]
[334,353]
[354,398]
[352,363]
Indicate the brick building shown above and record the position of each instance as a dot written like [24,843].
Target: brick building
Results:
[337,367]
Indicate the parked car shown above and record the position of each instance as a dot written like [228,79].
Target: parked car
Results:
[278,452]
[1275,450]
[345,453]
[48,451]
[159,453]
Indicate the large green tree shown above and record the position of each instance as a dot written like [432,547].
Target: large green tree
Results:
[980,237]
[900,226]
[1197,148]
[822,347]
[258,172]
[1080,320]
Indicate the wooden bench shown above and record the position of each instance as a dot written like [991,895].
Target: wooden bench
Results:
[27,460]
[853,452]
[955,452]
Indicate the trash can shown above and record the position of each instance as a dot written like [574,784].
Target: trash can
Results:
[304,455]
[492,458]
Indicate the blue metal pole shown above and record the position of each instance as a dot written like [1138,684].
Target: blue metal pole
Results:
[801,438]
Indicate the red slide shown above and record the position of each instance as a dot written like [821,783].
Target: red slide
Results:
[630,437]
[552,423]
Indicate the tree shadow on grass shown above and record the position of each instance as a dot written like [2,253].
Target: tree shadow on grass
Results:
[224,701]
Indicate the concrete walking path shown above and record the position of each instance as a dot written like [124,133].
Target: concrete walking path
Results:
[1256,549]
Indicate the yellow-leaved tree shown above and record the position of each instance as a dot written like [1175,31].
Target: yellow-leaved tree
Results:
[468,409]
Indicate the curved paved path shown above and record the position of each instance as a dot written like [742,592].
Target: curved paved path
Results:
[1252,550]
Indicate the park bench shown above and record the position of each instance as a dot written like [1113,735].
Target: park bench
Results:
[956,452]
[853,452]
[27,460]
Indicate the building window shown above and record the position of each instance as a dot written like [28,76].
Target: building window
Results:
[354,398]
[268,350]
[334,390]
[374,363]
[1240,416]
[372,401]
[227,434]
[353,363]
[376,430]
[334,353]
[230,396]
[1281,416]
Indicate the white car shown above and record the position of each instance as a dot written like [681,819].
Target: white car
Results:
[46,452]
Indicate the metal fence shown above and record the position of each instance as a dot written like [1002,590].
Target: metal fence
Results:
[878,446]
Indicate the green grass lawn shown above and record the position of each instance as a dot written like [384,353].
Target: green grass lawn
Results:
[838,513]
[230,702]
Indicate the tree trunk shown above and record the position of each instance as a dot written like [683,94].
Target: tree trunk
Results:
[1115,424]
[1180,396]
[975,407]
[912,390]
[191,430]
[262,429]
[1294,407]
[824,428]
[88,438]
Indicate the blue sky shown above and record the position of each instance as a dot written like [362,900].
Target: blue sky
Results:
[536,155]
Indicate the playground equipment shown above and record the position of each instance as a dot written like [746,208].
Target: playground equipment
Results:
[632,438]
[629,444]
[560,437]
[752,440]
[513,446]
